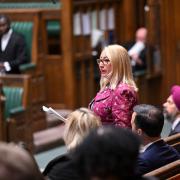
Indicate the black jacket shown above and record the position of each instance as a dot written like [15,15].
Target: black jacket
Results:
[61,168]
[15,52]
[156,155]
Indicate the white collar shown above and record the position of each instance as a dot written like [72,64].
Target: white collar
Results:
[143,148]
[8,34]
[175,123]
[5,39]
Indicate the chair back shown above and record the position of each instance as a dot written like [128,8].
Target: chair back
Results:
[13,97]
[26,29]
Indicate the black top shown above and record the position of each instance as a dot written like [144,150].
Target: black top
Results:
[61,168]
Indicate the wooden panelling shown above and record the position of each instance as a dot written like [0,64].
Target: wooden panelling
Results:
[170,37]
[54,75]
[69,75]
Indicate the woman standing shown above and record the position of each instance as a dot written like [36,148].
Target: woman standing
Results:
[117,96]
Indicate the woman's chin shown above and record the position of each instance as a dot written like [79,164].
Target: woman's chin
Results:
[103,75]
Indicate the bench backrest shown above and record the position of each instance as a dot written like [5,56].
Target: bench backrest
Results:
[13,97]
[53,27]
[172,139]
[166,171]
[26,29]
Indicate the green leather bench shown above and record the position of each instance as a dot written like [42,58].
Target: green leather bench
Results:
[25,28]
[53,27]
[16,107]
[13,103]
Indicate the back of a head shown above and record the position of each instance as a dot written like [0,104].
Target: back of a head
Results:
[17,164]
[150,119]
[78,125]
[109,152]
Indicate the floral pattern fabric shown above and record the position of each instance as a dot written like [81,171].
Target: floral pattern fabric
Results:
[115,107]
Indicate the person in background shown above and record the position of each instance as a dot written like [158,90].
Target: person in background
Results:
[17,164]
[137,50]
[172,109]
[77,126]
[147,121]
[118,92]
[12,47]
[108,153]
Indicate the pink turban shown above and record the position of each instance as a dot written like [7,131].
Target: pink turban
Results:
[175,92]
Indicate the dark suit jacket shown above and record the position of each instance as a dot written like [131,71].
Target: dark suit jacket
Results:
[142,56]
[61,168]
[156,155]
[175,130]
[15,52]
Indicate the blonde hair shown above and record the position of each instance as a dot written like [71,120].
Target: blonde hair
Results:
[78,125]
[121,68]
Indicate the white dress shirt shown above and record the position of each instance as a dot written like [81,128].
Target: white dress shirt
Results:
[175,123]
[4,42]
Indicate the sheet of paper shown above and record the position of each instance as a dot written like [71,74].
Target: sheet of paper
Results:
[86,24]
[102,19]
[77,24]
[54,113]
[94,19]
[111,19]
[96,37]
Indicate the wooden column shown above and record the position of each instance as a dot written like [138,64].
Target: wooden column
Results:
[170,42]
[128,20]
[67,52]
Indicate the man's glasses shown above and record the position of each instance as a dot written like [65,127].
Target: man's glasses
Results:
[104,61]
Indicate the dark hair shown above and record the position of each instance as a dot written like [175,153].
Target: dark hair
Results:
[6,18]
[149,118]
[107,152]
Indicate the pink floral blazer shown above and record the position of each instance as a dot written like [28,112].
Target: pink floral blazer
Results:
[115,107]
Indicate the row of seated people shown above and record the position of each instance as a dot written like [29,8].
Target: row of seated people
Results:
[99,152]
[147,122]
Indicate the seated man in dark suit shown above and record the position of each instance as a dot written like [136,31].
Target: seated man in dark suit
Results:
[137,50]
[147,121]
[12,47]
[172,109]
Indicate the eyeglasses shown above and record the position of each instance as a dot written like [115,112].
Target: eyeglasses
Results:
[105,61]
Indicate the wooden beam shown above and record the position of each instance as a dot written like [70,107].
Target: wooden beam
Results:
[67,52]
